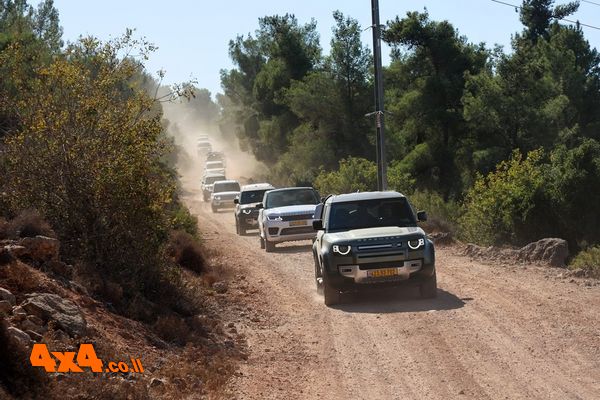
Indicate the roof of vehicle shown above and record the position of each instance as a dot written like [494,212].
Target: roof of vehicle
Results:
[226,181]
[291,188]
[213,174]
[215,153]
[257,186]
[213,163]
[359,196]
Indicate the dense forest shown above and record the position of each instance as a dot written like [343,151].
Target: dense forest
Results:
[502,144]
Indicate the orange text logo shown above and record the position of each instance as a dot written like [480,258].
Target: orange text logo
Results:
[86,357]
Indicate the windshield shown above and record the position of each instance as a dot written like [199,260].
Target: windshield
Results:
[371,214]
[292,197]
[212,179]
[226,187]
[214,157]
[252,196]
[214,165]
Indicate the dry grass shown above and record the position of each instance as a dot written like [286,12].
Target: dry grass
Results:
[29,223]
[173,329]
[185,250]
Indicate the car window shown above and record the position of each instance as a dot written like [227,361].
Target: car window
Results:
[370,214]
[252,196]
[283,198]
[214,165]
[226,187]
[212,179]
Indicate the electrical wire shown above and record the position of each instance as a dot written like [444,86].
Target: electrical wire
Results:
[561,19]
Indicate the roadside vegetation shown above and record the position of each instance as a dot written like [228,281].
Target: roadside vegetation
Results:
[503,145]
[85,159]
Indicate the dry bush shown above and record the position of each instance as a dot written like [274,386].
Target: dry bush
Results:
[18,277]
[186,251]
[3,228]
[29,223]
[172,329]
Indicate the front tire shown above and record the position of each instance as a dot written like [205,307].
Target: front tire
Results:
[214,209]
[318,275]
[269,246]
[331,296]
[262,242]
[428,289]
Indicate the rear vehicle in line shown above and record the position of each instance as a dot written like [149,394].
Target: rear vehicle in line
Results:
[216,156]
[246,213]
[203,147]
[214,167]
[207,184]
[371,240]
[223,194]
[286,215]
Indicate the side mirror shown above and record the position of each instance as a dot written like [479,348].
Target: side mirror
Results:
[421,216]
[318,211]
[259,206]
[318,225]
[236,201]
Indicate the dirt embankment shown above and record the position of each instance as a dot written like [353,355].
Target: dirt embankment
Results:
[493,332]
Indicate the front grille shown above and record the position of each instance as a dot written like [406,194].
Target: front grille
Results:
[399,254]
[297,231]
[296,217]
[273,231]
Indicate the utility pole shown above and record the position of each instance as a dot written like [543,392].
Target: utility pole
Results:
[379,110]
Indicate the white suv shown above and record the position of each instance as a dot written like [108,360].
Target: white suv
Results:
[223,194]
[287,215]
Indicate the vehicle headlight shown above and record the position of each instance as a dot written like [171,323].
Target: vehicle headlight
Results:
[341,249]
[416,243]
[274,218]
[217,197]
[247,211]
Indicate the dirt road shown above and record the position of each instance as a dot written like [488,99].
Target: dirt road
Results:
[492,333]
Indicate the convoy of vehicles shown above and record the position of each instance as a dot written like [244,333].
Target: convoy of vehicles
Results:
[361,241]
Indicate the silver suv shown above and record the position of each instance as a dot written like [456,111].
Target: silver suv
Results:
[223,194]
[286,215]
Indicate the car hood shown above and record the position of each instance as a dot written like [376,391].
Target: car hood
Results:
[227,194]
[292,210]
[382,233]
[249,205]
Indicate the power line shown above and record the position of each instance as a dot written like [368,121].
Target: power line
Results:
[561,19]
[590,2]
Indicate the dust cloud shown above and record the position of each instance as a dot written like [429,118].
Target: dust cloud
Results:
[186,122]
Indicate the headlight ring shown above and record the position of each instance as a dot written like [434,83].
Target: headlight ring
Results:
[341,249]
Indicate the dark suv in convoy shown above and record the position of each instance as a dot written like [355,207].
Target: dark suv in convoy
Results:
[371,239]
[246,213]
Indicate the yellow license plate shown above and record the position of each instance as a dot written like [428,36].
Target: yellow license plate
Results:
[384,272]
[297,223]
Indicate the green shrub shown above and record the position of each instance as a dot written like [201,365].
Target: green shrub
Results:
[497,207]
[88,155]
[354,174]
[442,215]
[589,261]
[181,219]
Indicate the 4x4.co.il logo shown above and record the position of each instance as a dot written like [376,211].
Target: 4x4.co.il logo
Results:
[69,361]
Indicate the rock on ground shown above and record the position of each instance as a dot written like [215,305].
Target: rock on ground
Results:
[8,296]
[552,251]
[41,248]
[49,306]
